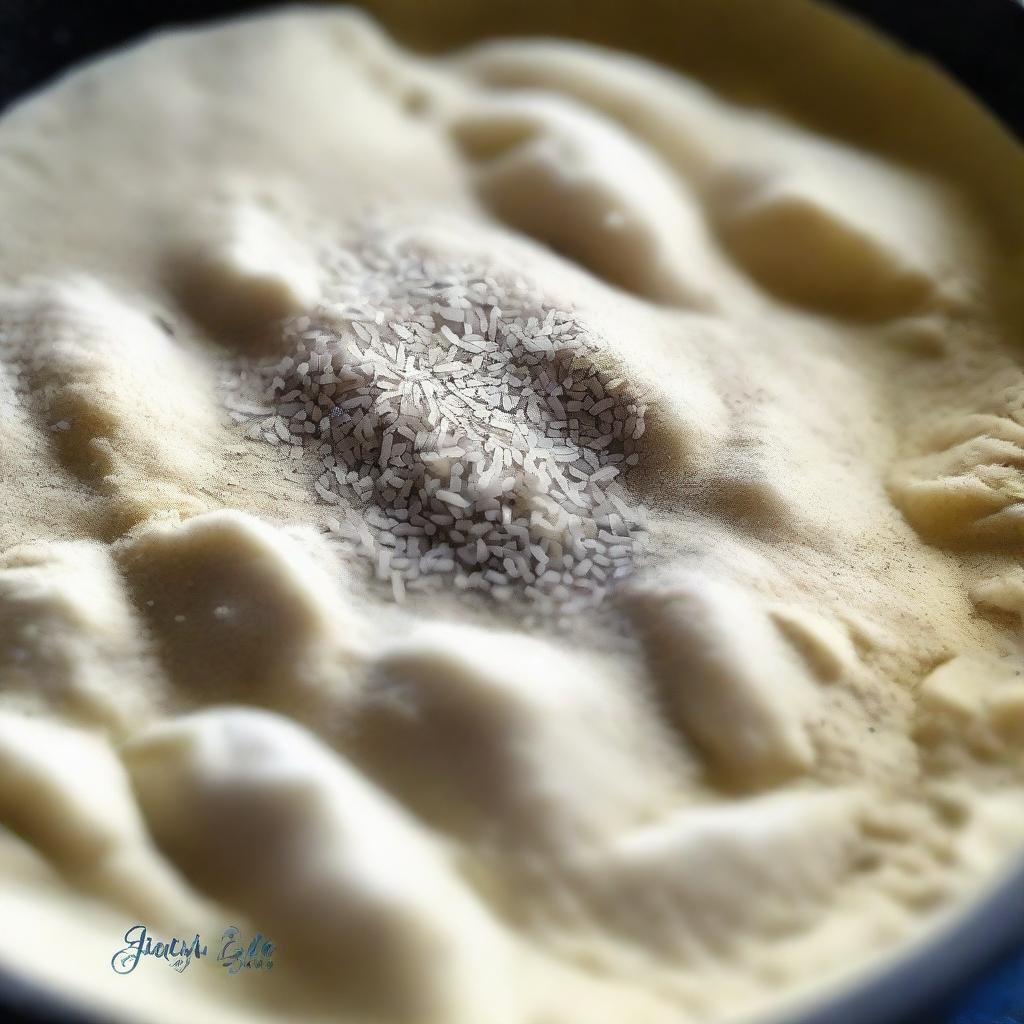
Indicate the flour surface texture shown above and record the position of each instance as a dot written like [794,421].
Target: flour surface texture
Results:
[532,534]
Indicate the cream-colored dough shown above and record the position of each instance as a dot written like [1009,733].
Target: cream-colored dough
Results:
[741,718]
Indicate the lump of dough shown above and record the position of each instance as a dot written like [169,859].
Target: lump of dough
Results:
[822,231]
[247,271]
[578,183]
[745,489]
[497,733]
[239,607]
[345,882]
[674,115]
[68,636]
[1004,593]
[54,782]
[697,878]
[824,645]
[977,699]
[124,405]
[729,679]
[65,792]
[969,485]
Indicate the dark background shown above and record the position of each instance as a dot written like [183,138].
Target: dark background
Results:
[980,42]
